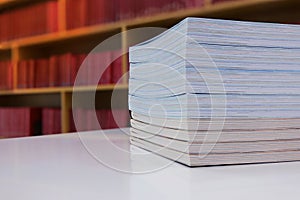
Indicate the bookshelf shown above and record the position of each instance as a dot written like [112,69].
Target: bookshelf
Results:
[63,40]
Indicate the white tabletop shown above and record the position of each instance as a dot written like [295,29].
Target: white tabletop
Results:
[90,166]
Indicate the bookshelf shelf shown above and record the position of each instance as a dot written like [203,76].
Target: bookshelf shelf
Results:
[65,40]
[49,90]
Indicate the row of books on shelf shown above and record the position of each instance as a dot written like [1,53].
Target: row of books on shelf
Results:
[35,19]
[24,121]
[88,12]
[61,70]
[42,17]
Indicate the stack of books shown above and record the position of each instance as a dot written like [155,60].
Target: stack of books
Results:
[215,92]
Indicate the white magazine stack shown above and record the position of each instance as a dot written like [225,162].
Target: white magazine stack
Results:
[215,92]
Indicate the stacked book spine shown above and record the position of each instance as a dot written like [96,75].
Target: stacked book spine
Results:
[215,92]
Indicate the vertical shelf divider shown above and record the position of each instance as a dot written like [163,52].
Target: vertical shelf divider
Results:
[66,104]
[125,61]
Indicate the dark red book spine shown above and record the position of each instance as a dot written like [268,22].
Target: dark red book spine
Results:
[96,12]
[9,80]
[52,16]
[30,73]
[83,67]
[104,64]
[76,12]
[53,71]
[22,76]
[41,73]
[117,69]
[2,86]
[127,9]
[65,69]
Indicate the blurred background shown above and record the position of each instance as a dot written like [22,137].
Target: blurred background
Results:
[43,43]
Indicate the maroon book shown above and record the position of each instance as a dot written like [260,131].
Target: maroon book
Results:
[41,73]
[117,68]
[9,73]
[52,16]
[127,9]
[82,66]
[74,68]
[21,74]
[30,73]
[76,12]
[104,67]
[53,71]
[66,61]
[96,11]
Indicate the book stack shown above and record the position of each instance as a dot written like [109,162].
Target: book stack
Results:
[215,92]
[61,70]
[21,22]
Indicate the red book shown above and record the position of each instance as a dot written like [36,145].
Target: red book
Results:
[127,9]
[74,68]
[65,63]
[117,69]
[30,73]
[2,117]
[53,71]
[41,73]
[104,118]
[104,67]
[52,16]
[76,12]
[96,11]
[2,86]
[57,121]
[9,80]
[111,8]
[91,69]
[22,74]
[83,64]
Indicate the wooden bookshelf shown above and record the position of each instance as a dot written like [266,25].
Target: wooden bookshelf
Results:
[15,50]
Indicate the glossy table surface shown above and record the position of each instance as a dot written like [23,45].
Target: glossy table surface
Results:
[102,165]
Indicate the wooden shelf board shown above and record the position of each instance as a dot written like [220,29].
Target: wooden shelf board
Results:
[208,10]
[49,90]
[7,3]
[12,3]
[171,17]
[61,36]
